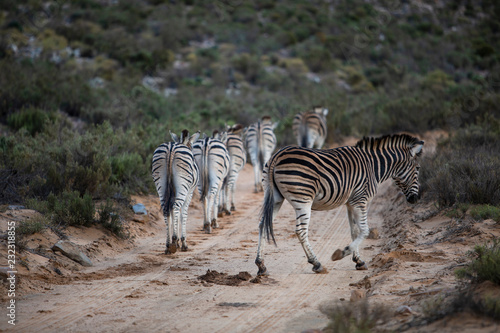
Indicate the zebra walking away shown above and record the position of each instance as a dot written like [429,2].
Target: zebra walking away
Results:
[212,159]
[328,178]
[310,128]
[237,160]
[175,174]
[260,142]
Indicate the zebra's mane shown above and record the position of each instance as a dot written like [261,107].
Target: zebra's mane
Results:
[391,140]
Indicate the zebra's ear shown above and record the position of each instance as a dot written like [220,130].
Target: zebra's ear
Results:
[417,148]
[223,137]
[174,136]
[275,125]
[193,138]
[325,112]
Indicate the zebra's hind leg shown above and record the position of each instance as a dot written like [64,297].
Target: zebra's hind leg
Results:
[184,214]
[303,214]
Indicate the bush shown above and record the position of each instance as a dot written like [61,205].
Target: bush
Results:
[465,168]
[109,219]
[354,317]
[485,212]
[66,209]
[32,120]
[485,264]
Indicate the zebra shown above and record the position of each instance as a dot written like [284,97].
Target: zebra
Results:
[175,174]
[310,128]
[324,179]
[260,142]
[237,160]
[212,158]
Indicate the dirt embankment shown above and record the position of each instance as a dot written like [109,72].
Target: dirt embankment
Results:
[133,286]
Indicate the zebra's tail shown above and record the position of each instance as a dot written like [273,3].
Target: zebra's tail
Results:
[266,216]
[169,194]
[303,135]
[204,169]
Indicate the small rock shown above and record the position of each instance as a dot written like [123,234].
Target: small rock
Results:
[140,218]
[73,252]
[16,207]
[358,294]
[374,234]
[404,310]
[139,209]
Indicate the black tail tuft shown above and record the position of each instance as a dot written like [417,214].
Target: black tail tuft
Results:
[266,216]
[169,197]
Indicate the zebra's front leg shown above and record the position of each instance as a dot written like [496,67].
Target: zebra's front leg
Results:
[359,231]
[302,231]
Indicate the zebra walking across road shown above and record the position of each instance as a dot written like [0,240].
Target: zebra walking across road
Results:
[175,174]
[260,142]
[310,128]
[237,160]
[314,179]
[212,159]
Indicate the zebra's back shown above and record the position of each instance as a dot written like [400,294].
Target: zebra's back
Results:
[310,128]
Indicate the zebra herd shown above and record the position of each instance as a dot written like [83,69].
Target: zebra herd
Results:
[308,177]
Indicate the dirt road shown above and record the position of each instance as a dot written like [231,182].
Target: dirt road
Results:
[141,289]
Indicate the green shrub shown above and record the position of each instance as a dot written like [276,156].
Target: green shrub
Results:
[32,120]
[109,219]
[484,265]
[485,212]
[354,316]
[66,209]
[32,226]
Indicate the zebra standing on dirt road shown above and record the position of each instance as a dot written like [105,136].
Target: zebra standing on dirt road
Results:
[237,160]
[212,159]
[260,142]
[310,128]
[328,178]
[175,174]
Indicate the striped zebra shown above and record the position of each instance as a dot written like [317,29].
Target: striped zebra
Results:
[212,158]
[260,143]
[328,178]
[175,174]
[310,128]
[237,160]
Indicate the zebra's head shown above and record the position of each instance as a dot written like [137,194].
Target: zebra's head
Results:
[406,177]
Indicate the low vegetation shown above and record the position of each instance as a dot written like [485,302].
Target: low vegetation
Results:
[90,88]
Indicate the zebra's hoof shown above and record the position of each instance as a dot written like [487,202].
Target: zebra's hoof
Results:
[262,271]
[215,224]
[361,266]
[184,248]
[337,255]
[172,248]
[233,208]
[207,228]
[319,269]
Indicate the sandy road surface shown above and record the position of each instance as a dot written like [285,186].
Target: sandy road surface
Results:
[143,290]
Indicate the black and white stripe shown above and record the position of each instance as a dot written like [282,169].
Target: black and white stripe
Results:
[175,175]
[323,179]
[237,160]
[212,159]
[310,128]
[260,143]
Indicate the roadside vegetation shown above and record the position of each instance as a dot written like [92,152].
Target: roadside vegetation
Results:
[90,88]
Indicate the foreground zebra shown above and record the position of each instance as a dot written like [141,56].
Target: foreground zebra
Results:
[175,175]
[260,142]
[212,159]
[310,128]
[326,179]
[237,160]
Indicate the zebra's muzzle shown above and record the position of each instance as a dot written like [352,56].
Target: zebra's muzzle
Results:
[412,198]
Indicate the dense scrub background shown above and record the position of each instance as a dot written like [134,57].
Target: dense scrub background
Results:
[89,88]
